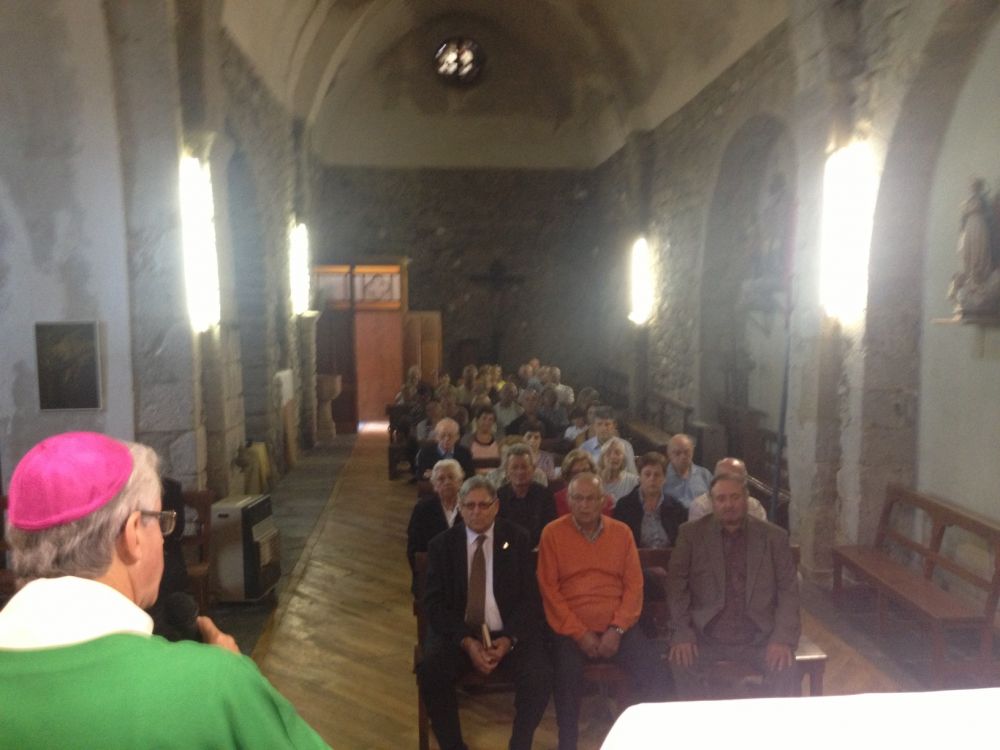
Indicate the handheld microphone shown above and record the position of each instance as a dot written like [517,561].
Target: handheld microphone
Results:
[181,613]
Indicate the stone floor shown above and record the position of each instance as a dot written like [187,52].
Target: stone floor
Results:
[297,500]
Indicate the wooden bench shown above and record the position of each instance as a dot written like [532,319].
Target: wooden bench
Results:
[609,676]
[922,588]
[400,446]
[810,659]
[660,419]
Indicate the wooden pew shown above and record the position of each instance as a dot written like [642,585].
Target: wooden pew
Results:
[659,420]
[607,675]
[400,447]
[810,659]
[917,587]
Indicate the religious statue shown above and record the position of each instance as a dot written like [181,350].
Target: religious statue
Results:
[975,290]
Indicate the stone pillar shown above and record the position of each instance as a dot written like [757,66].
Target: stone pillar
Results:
[164,352]
[813,426]
[307,376]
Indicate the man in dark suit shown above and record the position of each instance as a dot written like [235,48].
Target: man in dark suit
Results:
[434,513]
[446,432]
[481,577]
[733,594]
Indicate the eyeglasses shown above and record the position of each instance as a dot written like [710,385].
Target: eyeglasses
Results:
[479,506]
[166,518]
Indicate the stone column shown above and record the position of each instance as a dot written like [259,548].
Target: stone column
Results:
[307,376]
[164,352]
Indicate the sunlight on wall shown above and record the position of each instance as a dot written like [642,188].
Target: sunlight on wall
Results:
[642,282]
[201,262]
[850,187]
[298,268]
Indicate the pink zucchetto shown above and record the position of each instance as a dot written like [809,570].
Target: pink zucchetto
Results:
[64,478]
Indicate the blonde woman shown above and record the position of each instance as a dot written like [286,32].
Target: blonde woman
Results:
[618,481]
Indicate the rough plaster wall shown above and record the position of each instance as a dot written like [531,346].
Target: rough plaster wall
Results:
[262,136]
[453,224]
[886,432]
[62,237]
[960,366]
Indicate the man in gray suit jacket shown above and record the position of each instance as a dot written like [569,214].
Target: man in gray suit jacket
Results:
[733,594]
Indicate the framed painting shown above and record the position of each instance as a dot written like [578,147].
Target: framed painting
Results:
[69,365]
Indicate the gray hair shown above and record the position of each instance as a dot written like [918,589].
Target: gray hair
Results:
[447,463]
[518,449]
[85,547]
[476,482]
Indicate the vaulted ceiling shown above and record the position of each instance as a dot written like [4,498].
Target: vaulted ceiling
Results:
[564,84]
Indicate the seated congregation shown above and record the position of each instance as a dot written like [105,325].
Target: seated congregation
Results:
[533,577]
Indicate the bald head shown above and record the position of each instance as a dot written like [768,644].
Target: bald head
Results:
[680,451]
[586,497]
[731,467]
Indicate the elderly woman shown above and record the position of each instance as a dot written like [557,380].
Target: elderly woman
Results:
[618,481]
[578,462]
[434,513]
[653,516]
[78,665]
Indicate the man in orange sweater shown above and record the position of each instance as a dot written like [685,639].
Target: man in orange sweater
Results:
[591,586]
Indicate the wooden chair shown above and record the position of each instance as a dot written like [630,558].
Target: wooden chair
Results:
[810,659]
[197,545]
[399,437]
[609,677]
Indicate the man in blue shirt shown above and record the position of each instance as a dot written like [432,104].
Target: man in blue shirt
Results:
[605,428]
[685,479]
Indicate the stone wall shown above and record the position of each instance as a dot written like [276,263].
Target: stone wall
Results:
[669,178]
[453,225]
[261,206]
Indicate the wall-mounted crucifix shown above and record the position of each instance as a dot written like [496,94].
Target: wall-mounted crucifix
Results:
[499,280]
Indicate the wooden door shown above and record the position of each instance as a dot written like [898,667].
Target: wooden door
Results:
[378,353]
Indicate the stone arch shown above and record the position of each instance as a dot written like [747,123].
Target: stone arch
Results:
[889,401]
[746,236]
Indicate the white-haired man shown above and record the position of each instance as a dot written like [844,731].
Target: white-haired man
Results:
[79,666]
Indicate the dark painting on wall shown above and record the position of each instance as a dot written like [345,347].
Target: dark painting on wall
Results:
[69,370]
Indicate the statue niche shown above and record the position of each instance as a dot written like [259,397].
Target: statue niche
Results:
[975,290]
